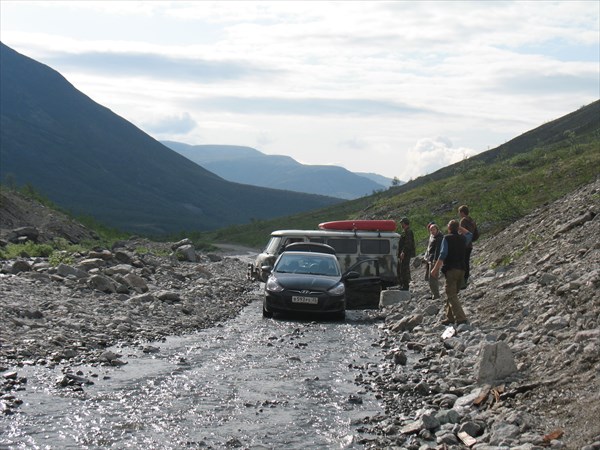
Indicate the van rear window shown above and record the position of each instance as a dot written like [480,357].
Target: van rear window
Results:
[343,245]
[375,246]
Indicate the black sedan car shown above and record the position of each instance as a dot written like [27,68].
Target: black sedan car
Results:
[307,278]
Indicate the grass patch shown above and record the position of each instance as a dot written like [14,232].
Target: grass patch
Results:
[57,251]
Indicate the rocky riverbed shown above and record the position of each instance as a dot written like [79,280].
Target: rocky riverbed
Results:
[70,314]
[524,373]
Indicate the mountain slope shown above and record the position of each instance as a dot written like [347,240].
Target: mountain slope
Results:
[577,123]
[379,179]
[250,166]
[92,162]
[500,185]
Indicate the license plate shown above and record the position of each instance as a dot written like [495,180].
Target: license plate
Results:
[309,300]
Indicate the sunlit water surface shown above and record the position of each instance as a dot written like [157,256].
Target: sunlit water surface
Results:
[252,383]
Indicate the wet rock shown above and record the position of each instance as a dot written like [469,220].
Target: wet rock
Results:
[400,358]
[108,356]
[70,379]
[355,399]
[150,349]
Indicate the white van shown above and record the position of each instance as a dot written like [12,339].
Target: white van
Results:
[351,247]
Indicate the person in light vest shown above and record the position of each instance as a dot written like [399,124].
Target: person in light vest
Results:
[452,263]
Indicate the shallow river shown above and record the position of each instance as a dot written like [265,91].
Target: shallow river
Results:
[251,383]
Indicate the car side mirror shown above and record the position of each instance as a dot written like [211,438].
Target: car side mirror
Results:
[266,269]
[352,275]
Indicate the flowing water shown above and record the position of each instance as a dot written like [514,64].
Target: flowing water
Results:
[250,383]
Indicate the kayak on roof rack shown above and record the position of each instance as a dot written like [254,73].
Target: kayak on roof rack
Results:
[363,225]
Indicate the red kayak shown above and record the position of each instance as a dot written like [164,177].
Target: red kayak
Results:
[359,225]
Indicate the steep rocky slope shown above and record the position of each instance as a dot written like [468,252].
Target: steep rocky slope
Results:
[534,288]
[20,216]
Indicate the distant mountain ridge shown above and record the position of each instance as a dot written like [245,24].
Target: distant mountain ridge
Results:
[499,185]
[90,161]
[250,166]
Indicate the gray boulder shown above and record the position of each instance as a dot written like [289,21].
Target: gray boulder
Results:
[495,363]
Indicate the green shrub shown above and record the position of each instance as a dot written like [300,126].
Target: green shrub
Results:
[28,249]
[57,251]
[60,257]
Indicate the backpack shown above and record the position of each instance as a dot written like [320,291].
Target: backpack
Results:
[475,231]
[472,227]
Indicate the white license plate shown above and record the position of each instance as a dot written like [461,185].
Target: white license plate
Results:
[309,300]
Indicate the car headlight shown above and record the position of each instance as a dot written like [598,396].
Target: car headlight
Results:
[273,285]
[338,289]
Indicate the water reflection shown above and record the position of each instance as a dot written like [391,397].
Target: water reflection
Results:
[263,383]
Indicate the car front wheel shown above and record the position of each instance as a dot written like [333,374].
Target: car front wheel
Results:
[267,314]
[340,316]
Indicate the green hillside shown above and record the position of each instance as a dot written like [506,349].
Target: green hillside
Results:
[500,185]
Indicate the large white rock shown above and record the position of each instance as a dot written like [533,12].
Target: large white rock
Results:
[393,297]
[495,363]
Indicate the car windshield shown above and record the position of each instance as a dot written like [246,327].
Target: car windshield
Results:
[309,264]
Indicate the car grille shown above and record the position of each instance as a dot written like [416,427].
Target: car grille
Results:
[304,292]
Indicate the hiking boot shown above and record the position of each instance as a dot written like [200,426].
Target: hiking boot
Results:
[446,322]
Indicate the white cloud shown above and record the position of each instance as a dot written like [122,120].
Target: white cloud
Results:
[431,154]
[179,124]
[367,83]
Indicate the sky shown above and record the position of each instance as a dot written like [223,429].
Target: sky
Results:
[397,88]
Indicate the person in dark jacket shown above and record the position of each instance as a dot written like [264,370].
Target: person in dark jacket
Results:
[406,250]
[431,256]
[467,222]
[452,263]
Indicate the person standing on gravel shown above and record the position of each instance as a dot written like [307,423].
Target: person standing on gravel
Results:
[431,256]
[452,263]
[467,222]
[406,250]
